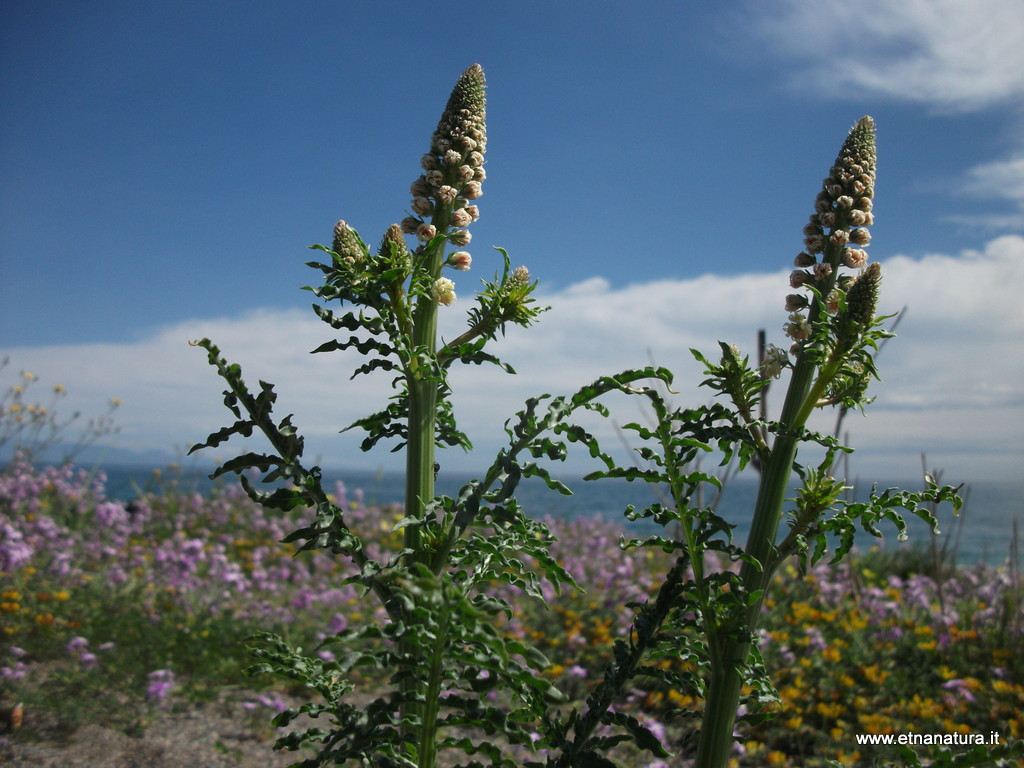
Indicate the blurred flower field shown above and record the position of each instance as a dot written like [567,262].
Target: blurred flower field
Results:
[117,610]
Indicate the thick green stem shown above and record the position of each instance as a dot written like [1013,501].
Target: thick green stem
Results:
[419,478]
[726,682]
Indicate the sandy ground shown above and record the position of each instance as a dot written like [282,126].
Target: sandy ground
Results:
[204,736]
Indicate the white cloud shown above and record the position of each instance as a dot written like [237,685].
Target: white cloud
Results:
[997,180]
[951,380]
[949,54]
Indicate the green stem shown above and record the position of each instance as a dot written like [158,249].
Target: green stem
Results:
[419,478]
[428,730]
[727,670]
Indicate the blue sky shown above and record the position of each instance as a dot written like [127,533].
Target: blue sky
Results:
[165,166]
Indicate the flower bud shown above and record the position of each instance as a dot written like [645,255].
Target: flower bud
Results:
[814,243]
[460,260]
[346,243]
[472,190]
[446,195]
[855,258]
[393,247]
[425,232]
[795,302]
[860,236]
[422,206]
[798,278]
[862,298]
[420,188]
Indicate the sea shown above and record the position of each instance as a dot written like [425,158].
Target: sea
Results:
[985,530]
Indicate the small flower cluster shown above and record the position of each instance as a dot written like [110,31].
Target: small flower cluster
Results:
[453,171]
[836,234]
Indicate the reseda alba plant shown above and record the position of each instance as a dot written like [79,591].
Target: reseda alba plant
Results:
[457,681]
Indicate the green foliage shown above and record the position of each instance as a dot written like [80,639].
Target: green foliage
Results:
[438,642]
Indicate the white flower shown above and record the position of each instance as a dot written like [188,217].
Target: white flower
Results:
[421,205]
[775,359]
[461,218]
[832,302]
[444,291]
[465,173]
[473,211]
[798,328]
[452,158]
[428,163]
[472,190]
[434,178]
[426,232]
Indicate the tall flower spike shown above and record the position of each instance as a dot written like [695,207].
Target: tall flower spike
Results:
[463,118]
[842,213]
[454,166]
[849,189]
